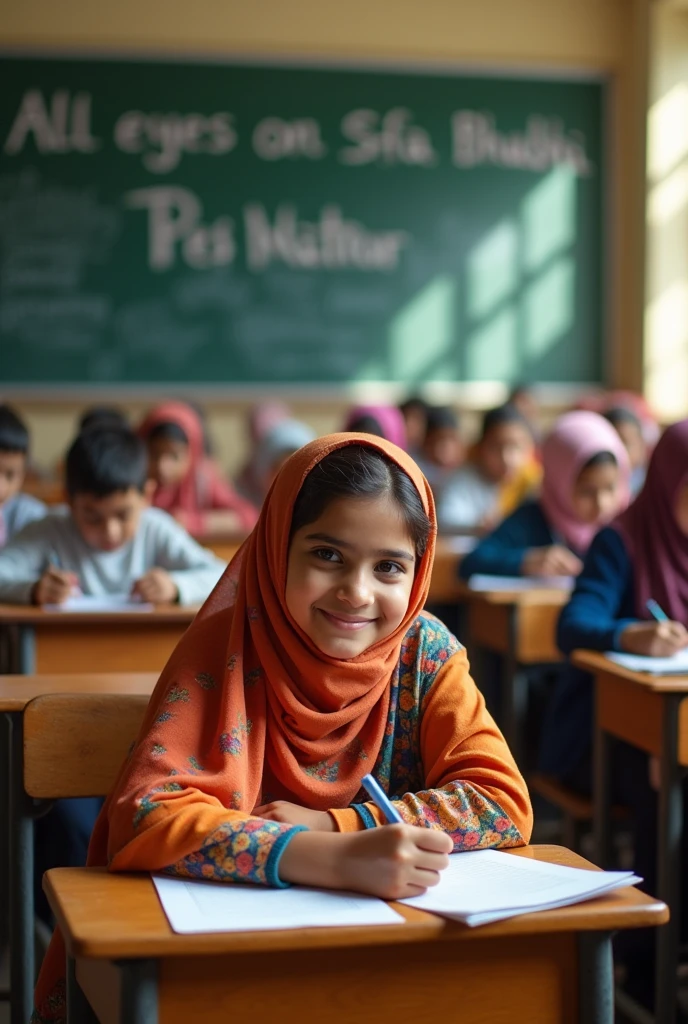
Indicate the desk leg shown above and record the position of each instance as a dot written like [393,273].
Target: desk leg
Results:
[23,810]
[27,650]
[595,978]
[4,831]
[139,1002]
[22,963]
[79,1009]
[670,826]
[602,796]
[514,695]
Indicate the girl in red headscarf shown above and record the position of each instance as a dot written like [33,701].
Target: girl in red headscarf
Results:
[310,665]
[189,485]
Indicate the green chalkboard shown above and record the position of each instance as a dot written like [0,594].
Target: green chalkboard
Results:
[205,223]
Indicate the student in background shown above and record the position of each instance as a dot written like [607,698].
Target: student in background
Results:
[630,430]
[443,449]
[584,485]
[108,540]
[319,665]
[643,554]
[499,474]
[16,509]
[380,420]
[281,441]
[102,416]
[523,398]
[261,418]
[188,484]
[415,413]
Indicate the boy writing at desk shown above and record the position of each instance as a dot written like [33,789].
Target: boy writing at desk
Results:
[108,540]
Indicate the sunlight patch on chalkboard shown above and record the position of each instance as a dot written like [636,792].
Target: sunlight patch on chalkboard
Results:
[421,335]
[549,217]
[492,350]
[549,308]
[492,269]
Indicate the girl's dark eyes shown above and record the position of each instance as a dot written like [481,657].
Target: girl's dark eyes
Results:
[327,554]
[385,568]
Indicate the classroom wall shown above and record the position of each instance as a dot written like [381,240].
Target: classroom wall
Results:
[606,36]
[666,333]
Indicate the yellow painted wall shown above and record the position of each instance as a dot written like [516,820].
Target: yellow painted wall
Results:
[607,36]
[666,348]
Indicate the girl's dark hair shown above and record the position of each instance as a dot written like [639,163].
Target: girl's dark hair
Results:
[360,472]
[366,425]
[601,459]
[503,415]
[14,437]
[620,415]
[168,432]
[441,417]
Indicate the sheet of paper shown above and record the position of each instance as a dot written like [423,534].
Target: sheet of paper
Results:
[676,665]
[105,603]
[481,583]
[196,906]
[486,885]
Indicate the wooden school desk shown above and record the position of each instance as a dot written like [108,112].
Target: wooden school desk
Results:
[520,625]
[16,860]
[223,543]
[52,641]
[127,964]
[651,713]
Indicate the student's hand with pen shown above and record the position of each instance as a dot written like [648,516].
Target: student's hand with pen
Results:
[655,639]
[54,586]
[157,587]
[555,560]
[392,861]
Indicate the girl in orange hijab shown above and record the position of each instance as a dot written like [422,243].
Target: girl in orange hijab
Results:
[311,664]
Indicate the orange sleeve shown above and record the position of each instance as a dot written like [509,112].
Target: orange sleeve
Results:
[474,791]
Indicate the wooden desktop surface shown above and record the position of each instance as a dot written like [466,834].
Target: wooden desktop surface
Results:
[525,620]
[108,916]
[99,641]
[630,704]
[16,691]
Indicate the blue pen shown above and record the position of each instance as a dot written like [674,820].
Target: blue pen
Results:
[655,611]
[380,800]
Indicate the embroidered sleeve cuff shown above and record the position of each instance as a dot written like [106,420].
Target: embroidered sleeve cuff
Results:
[357,818]
[278,847]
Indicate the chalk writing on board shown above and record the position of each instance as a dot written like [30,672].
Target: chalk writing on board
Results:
[544,144]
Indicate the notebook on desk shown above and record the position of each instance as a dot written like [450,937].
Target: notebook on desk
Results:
[106,603]
[676,665]
[477,888]
[481,583]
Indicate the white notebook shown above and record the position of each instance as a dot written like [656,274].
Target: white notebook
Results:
[486,885]
[676,665]
[196,906]
[106,603]
[481,583]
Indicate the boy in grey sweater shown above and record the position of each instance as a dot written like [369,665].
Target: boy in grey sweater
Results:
[108,540]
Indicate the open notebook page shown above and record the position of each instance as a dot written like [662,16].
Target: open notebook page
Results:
[486,885]
[481,583]
[196,906]
[676,665]
[104,603]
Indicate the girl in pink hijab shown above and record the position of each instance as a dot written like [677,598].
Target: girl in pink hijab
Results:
[585,484]
[188,484]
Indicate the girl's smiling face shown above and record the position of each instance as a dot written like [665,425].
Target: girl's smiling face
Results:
[350,574]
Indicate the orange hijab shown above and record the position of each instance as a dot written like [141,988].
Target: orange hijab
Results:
[251,686]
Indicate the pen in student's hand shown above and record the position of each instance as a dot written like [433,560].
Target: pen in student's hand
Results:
[655,611]
[380,800]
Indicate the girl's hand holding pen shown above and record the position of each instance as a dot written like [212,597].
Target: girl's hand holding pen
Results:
[655,639]
[54,586]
